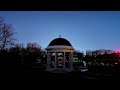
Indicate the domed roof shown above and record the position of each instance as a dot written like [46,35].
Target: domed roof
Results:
[60,41]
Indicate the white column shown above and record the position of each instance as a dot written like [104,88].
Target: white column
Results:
[70,59]
[55,61]
[48,59]
[64,61]
[47,62]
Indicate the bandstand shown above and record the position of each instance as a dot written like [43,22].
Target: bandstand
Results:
[59,56]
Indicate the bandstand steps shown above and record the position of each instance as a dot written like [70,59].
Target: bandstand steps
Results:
[59,71]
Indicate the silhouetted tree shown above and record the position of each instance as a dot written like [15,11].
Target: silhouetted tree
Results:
[89,52]
[6,34]
[79,54]
[16,53]
[33,52]
[100,54]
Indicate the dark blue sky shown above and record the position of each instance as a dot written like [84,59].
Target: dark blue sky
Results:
[86,30]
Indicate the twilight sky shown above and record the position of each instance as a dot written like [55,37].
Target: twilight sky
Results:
[86,30]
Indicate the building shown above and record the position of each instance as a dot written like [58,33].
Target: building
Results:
[59,56]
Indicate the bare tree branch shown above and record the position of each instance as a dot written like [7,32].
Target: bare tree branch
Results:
[6,34]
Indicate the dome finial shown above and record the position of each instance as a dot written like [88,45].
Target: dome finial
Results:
[59,36]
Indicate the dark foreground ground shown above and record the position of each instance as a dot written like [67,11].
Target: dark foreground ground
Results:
[19,77]
[29,73]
